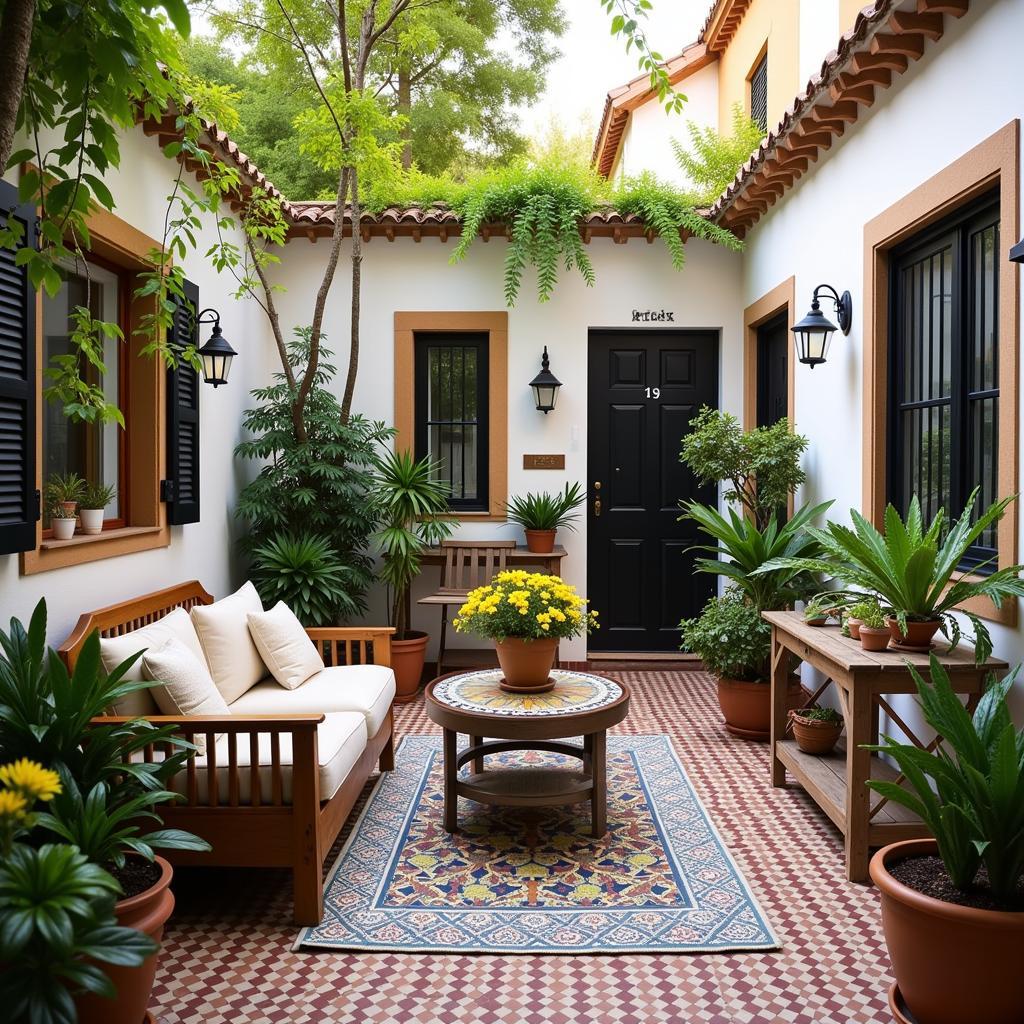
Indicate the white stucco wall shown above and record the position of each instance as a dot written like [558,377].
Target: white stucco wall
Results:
[203,550]
[965,89]
[819,33]
[406,276]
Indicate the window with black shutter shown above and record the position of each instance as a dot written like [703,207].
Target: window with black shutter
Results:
[759,93]
[19,504]
[181,488]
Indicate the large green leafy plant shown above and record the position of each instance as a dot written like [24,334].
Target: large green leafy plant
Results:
[546,511]
[970,790]
[730,638]
[914,569]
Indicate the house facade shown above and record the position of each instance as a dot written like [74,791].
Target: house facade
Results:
[890,170]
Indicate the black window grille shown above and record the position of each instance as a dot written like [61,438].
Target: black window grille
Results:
[452,413]
[759,93]
[944,369]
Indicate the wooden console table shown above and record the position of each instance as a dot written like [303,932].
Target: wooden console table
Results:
[863,679]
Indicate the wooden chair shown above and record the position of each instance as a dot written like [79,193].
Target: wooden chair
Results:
[468,564]
[252,825]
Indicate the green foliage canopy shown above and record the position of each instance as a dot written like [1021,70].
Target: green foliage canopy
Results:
[711,160]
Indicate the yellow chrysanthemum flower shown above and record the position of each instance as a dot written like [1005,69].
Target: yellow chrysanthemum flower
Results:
[31,779]
[12,805]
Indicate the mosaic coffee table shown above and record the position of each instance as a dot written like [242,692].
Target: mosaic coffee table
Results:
[579,705]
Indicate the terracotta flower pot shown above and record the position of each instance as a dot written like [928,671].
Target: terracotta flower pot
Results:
[919,634]
[147,912]
[540,542]
[874,638]
[952,964]
[814,736]
[854,627]
[407,657]
[747,707]
[526,664]
[70,509]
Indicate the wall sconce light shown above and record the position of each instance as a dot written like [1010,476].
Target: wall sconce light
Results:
[813,334]
[1017,252]
[545,386]
[216,354]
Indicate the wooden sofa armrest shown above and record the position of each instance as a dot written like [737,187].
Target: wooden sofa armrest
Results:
[350,645]
[304,722]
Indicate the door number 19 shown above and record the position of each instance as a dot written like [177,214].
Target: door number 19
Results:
[653,392]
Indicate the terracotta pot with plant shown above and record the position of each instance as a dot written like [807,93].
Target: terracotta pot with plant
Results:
[525,614]
[816,730]
[412,503]
[61,495]
[92,508]
[543,515]
[953,906]
[80,840]
[872,631]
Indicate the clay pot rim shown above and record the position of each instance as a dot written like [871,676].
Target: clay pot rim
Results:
[529,640]
[133,902]
[794,682]
[412,638]
[875,630]
[815,723]
[537,529]
[916,622]
[922,904]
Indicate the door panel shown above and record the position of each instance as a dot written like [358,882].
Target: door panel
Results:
[644,390]
[772,371]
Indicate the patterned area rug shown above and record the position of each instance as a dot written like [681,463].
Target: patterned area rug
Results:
[517,880]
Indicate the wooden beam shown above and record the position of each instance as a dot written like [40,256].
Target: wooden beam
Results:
[869,76]
[417,234]
[910,43]
[864,61]
[785,151]
[789,171]
[862,94]
[813,134]
[929,25]
[845,110]
[956,8]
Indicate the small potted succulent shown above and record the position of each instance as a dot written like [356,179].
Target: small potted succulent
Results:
[820,609]
[872,630]
[62,522]
[93,504]
[542,515]
[816,730]
[62,494]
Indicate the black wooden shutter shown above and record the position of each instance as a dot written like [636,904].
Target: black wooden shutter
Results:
[181,488]
[19,501]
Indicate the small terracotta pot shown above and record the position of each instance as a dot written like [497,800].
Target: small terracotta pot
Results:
[540,542]
[64,529]
[919,634]
[70,509]
[952,964]
[813,736]
[92,520]
[854,626]
[526,664]
[407,657]
[147,912]
[747,707]
[819,620]
[874,638]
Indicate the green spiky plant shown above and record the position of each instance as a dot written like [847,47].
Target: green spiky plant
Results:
[546,511]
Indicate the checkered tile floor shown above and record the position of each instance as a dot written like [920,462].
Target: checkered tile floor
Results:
[227,953]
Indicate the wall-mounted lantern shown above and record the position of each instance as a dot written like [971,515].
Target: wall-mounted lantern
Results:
[813,334]
[1017,252]
[216,354]
[545,386]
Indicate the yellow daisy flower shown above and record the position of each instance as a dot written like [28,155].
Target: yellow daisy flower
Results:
[31,779]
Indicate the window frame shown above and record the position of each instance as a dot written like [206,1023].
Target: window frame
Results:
[760,67]
[423,341]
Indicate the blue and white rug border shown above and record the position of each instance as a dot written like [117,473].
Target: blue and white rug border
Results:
[302,941]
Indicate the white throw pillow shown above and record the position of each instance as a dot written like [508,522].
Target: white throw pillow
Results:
[223,631]
[115,649]
[285,646]
[188,687]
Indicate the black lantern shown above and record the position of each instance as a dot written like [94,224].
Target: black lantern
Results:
[216,354]
[1017,252]
[813,334]
[545,386]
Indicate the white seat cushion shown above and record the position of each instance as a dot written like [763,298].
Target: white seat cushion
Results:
[223,631]
[341,740]
[284,645]
[115,649]
[366,688]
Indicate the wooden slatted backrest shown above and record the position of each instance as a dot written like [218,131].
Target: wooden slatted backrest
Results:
[121,618]
[469,564]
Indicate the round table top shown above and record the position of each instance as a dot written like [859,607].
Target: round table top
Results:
[579,700]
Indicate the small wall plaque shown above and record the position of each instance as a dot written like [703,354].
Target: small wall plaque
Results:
[543,462]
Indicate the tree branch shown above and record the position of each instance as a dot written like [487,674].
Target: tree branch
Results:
[15,43]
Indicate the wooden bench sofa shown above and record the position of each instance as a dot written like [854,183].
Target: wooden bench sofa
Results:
[251,820]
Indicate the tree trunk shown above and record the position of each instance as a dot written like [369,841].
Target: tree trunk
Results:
[15,42]
[404,108]
[357,278]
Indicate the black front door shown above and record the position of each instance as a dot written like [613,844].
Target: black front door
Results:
[644,388]
[772,371]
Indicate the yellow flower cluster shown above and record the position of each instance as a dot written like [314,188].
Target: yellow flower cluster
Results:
[24,783]
[524,604]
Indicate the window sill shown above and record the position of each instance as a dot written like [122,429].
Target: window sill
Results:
[51,543]
[58,554]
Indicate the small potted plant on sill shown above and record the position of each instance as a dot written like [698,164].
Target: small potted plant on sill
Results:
[953,905]
[62,522]
[412,504]
[93,504]
[525,614]
[816,730]
[542,515]
[734,642]
[872,631]
[66,490]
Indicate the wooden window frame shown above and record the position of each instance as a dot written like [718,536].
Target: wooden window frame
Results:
[993,163]
[759,60]
[117,244]
[495,326]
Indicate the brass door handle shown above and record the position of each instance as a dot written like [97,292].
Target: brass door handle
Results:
[597,499]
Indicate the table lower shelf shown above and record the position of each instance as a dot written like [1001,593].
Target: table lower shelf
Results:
[526,787]
[824,778]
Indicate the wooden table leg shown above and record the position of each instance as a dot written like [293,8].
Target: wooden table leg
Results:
[451,797]
[858,771]
[478,762]
[588,753]
[780,684]
[599,794]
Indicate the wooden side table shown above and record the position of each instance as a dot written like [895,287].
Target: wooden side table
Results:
[863,679]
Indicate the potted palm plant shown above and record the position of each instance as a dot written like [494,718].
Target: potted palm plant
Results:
[95,499]
[412,504]
[542,515]
[913,570]
[953,905]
